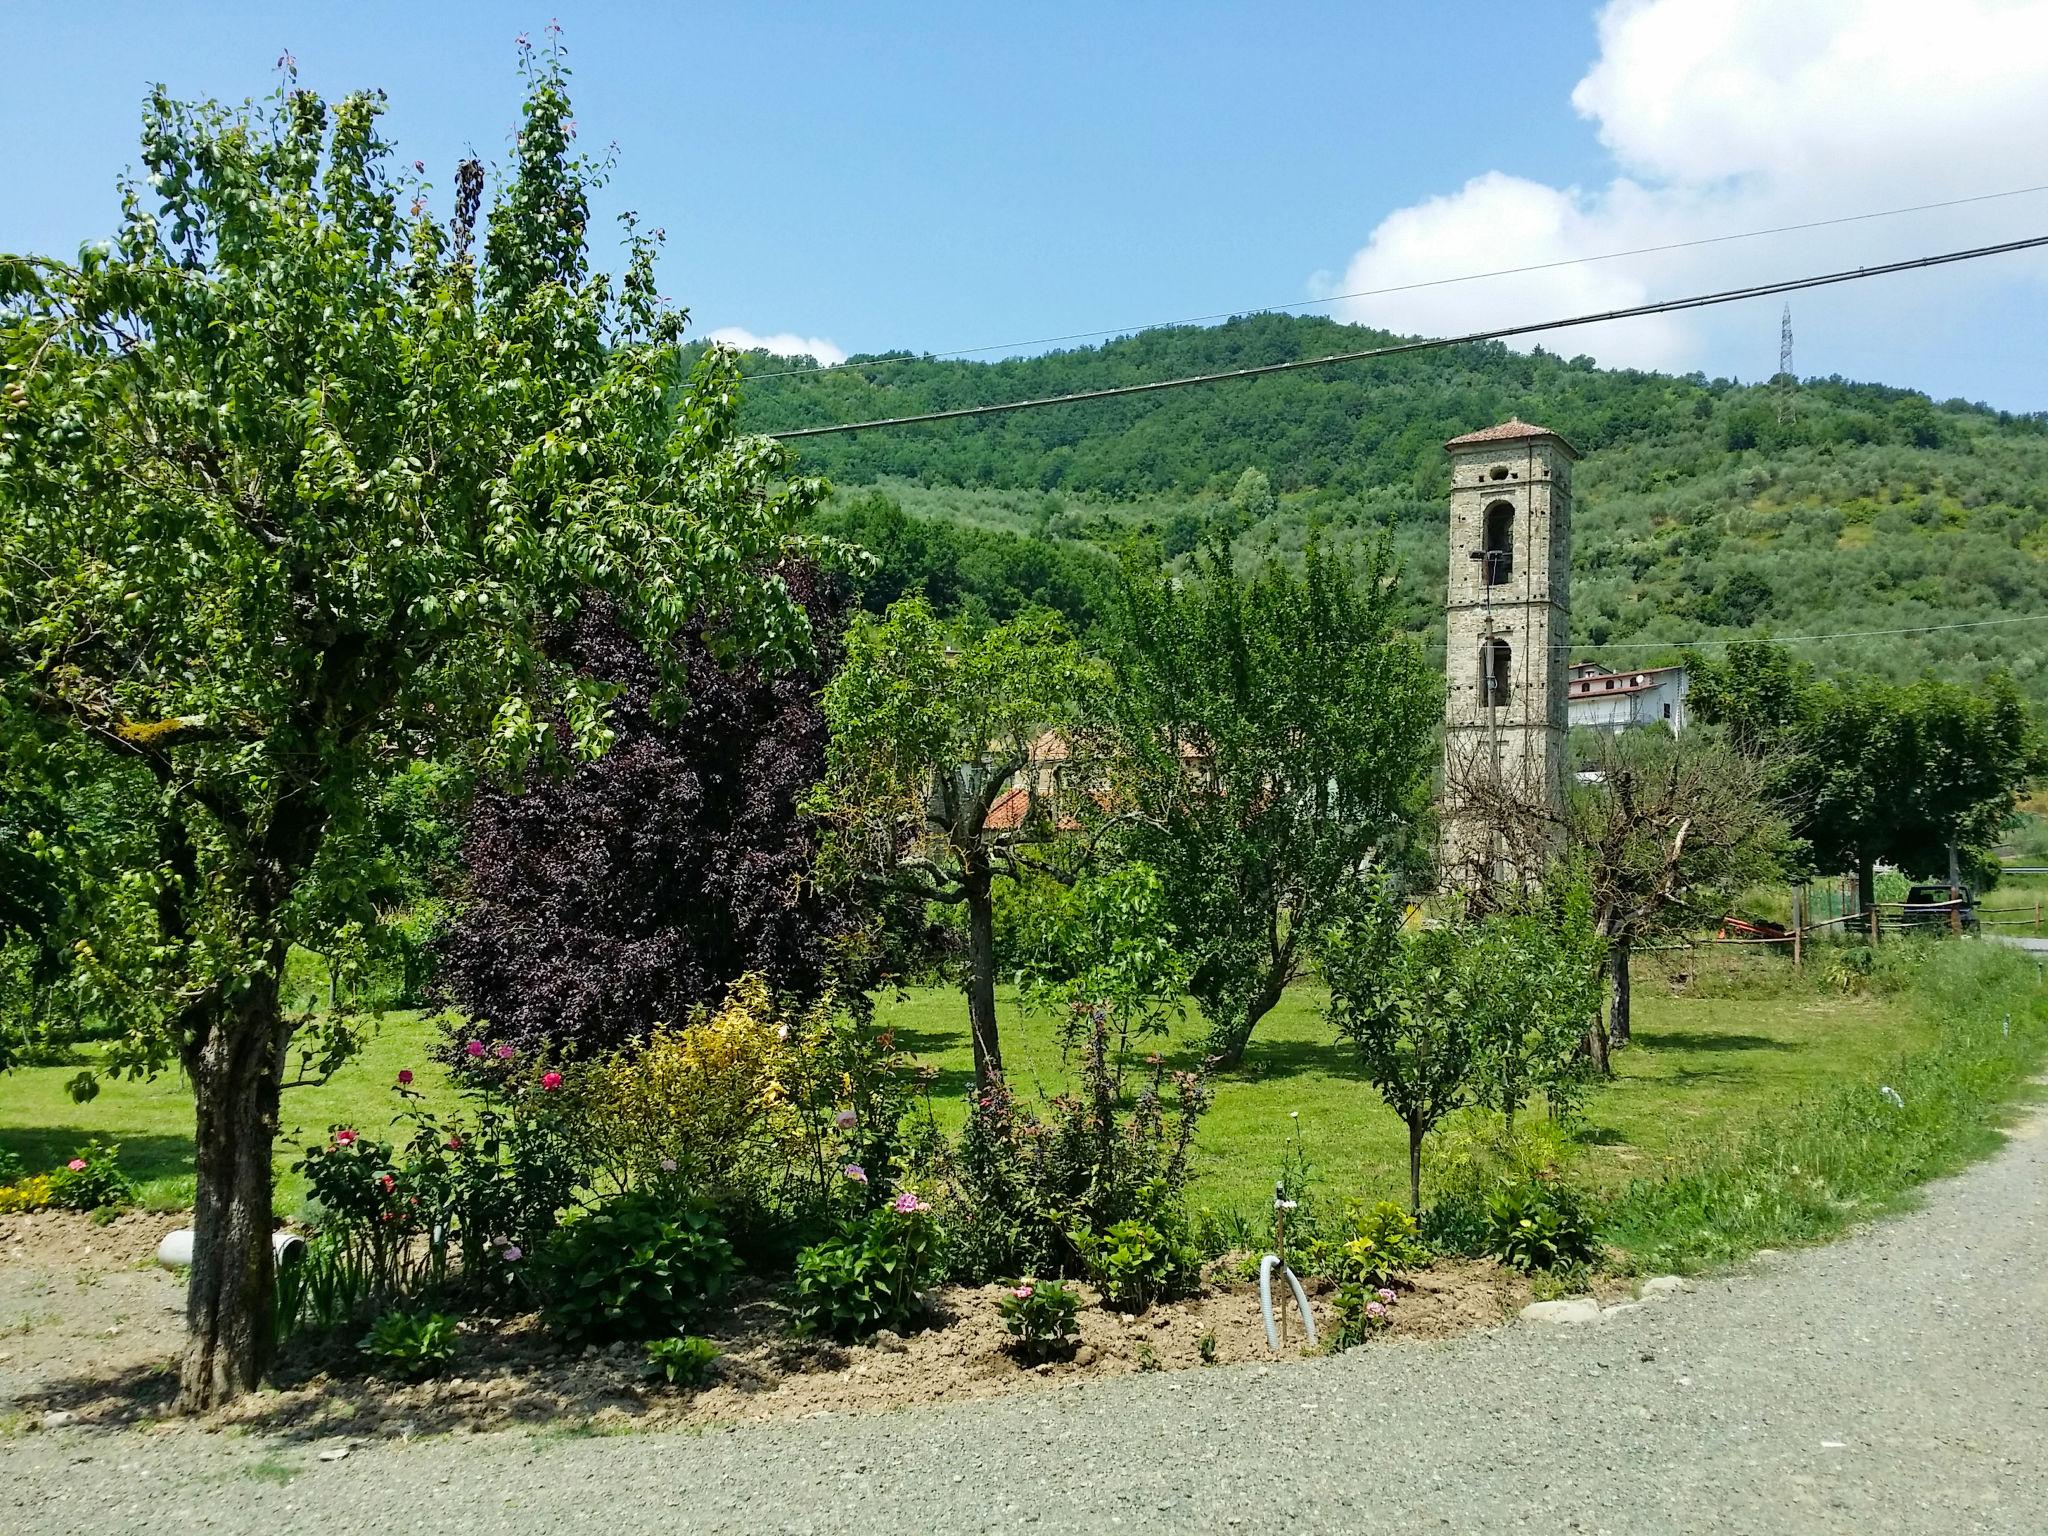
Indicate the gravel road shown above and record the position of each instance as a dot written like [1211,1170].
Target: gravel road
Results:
[1891,1382]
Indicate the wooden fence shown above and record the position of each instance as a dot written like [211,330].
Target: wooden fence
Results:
[1884,918]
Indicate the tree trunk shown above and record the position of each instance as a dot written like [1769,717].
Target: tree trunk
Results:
[1415,1129]
[1227,1041]
[235,1069]
[981,972]
[1618,1002]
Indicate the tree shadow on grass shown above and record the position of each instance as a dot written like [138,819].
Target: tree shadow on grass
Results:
[1294,1058]
[143,1158]
[1706,1040]
[927,1042]
[1691,1077]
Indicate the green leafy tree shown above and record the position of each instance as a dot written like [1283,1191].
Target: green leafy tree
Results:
[944,767]
[1273,736]
[1534,962]
[1402,1002]
[292,487]
[1878,771]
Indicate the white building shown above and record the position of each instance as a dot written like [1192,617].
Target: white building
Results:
[1614,701]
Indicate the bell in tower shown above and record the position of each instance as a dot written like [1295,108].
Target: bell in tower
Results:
[1507,624]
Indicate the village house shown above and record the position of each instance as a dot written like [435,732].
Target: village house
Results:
[1613,701]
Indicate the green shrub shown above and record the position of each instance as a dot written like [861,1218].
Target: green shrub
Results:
[1019,1183]
[1135,1263]
[870,1277]
[1474,1158]
[1039,1315]
[410,1345]
[1362,1310]
[1380,1243]
[638,1266]
[11,1166]
[682,1362]
[92,1180]
[1539,1226]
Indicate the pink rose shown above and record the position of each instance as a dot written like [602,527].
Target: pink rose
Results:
[454,1143]
[1022,1293]
[76,1165]
[475,1048]
[344,1138]
[846,1119]
[405,1077]
[551,1081]
[504,1053]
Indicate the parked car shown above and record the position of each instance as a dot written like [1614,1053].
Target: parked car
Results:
[1929,906]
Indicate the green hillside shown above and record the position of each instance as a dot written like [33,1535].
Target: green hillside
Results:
[1701,511]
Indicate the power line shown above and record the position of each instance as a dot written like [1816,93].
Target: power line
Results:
[1846,634]
[1433,344]
[1373,293]
[1769,639]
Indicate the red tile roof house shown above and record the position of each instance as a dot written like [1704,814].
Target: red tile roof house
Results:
[1053,769]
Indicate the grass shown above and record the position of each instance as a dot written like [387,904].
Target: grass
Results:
[1863,1147]
[1737,1042]
[152,1120]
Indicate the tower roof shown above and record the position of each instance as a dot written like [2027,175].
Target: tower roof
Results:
[1513,430]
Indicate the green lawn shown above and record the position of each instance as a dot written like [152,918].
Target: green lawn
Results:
[1704,1067]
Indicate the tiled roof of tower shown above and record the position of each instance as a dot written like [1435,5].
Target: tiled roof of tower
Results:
[1514,429]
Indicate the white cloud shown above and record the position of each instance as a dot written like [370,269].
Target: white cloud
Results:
[781,344]
[1731,115]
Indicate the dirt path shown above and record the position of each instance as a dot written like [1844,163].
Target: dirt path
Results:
[1896,1381]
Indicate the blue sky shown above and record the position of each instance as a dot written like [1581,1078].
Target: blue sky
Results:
[882,175]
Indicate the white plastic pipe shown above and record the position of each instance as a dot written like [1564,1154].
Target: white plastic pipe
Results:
[175,1251]
[1267,1265]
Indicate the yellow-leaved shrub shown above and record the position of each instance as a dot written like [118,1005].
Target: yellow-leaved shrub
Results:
[706,1105]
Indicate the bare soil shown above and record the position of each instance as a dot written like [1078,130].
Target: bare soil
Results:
[90,1326]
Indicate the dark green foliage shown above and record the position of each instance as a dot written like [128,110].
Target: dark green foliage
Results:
[1456,1223]
[411,1345]
[1696,509]
[328,1286]
[1876,771]
[871,1276]
[1536,1225]
[964,571]
[682,1362]
[636,1267]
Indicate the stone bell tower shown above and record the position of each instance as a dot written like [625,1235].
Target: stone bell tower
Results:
[1507,613]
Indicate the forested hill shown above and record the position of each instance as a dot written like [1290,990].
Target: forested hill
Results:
[1704,508]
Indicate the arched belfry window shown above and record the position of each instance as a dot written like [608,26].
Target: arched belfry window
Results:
[1498,556]
[1496,661]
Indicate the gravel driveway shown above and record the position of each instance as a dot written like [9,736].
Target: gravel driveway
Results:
[1891,1382]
